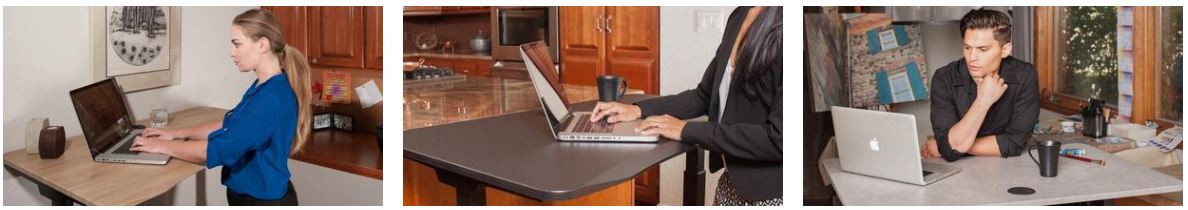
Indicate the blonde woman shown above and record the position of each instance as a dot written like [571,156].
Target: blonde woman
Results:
[271,121]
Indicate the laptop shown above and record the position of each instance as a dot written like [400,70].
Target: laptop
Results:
[564,124]
[884,145]
[107,124]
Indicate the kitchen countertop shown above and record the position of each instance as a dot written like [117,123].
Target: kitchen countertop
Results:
[439,54]
[478,97]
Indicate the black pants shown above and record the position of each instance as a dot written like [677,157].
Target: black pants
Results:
[237,199]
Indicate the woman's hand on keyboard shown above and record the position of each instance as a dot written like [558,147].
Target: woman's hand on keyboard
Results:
[150,145]
[615,111]
[164,134]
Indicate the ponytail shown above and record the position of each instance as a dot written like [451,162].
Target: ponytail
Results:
[297,70]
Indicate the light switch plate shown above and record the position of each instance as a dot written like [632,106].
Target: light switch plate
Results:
[707,21]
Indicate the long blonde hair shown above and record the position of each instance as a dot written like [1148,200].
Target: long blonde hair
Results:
[257,23]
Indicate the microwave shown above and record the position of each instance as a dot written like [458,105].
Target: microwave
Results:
[513,26]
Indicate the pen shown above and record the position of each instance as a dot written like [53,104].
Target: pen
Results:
[1098,162]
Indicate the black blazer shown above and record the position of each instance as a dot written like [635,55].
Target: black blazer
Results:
[749,137]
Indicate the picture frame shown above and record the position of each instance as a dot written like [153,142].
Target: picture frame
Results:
[139,46]
[333,120]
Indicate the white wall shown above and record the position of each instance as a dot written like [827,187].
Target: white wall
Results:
[684,55]
[46,58]
[942,44]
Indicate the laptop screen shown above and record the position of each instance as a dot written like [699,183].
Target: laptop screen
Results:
[551,99]
[102,114]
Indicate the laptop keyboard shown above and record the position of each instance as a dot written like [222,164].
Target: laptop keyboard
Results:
[585,126]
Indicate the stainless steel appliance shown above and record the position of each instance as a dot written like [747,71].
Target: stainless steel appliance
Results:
[513,26]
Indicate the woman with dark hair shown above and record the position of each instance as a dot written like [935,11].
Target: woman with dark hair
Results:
[742,93]
[271,121]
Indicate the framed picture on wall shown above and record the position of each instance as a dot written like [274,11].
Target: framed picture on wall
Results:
[138,45]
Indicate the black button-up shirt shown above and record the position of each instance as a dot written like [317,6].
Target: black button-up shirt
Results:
[1011,118]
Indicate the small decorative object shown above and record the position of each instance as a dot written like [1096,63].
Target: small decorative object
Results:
[337,87]
[33,133]
[333,120]
[317,89]
[53,142]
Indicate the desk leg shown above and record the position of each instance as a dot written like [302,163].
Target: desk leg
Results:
[469,192]
[694,178]
[56,198]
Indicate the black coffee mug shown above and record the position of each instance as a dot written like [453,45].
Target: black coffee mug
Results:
[1049,152]
[611,88]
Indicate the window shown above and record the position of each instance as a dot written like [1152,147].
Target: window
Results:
[1087,52]
[1170,89]
[1063,53]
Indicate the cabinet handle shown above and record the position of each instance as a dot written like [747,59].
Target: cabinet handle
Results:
[608,23]
[315,60]
[598,24]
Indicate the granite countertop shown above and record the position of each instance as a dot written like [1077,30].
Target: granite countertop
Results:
[439,54]
[477,97]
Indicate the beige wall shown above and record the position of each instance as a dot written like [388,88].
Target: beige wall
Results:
[46,54]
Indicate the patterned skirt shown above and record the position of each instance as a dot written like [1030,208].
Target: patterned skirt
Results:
[724,195]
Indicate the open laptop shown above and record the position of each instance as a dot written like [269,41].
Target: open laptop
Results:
[884,145]
[107,124]
[566,125]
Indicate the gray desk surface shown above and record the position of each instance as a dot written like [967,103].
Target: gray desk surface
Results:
[985,180]
[517,152]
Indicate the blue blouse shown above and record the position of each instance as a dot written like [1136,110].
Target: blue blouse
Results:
[253,144]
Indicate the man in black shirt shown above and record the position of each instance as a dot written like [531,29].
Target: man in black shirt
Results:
[985,104]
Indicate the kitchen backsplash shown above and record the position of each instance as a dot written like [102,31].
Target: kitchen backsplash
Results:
[457,28]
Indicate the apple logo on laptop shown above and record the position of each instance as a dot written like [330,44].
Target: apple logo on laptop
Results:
[874,144]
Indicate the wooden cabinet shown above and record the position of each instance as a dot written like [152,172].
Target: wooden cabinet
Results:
[336,36]
[622,41]
[347,37]
[473,67]
[373,38]
[615,40]
[421,8]
[292,20]
[444,10]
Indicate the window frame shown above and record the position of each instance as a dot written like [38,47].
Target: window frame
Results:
[1158,69]
[1146,53]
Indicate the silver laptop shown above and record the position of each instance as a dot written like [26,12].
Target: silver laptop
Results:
[884,145]
[107,124]
[567,125]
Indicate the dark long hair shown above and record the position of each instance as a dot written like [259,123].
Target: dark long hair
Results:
[761,52]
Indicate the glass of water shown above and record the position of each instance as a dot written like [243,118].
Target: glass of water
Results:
[159,115]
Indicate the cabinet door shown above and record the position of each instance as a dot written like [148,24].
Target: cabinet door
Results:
[473,67]
[373,43]
[582,43]
[633,46]
[421,8]
[336,36]
[292,20]
[466,67]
